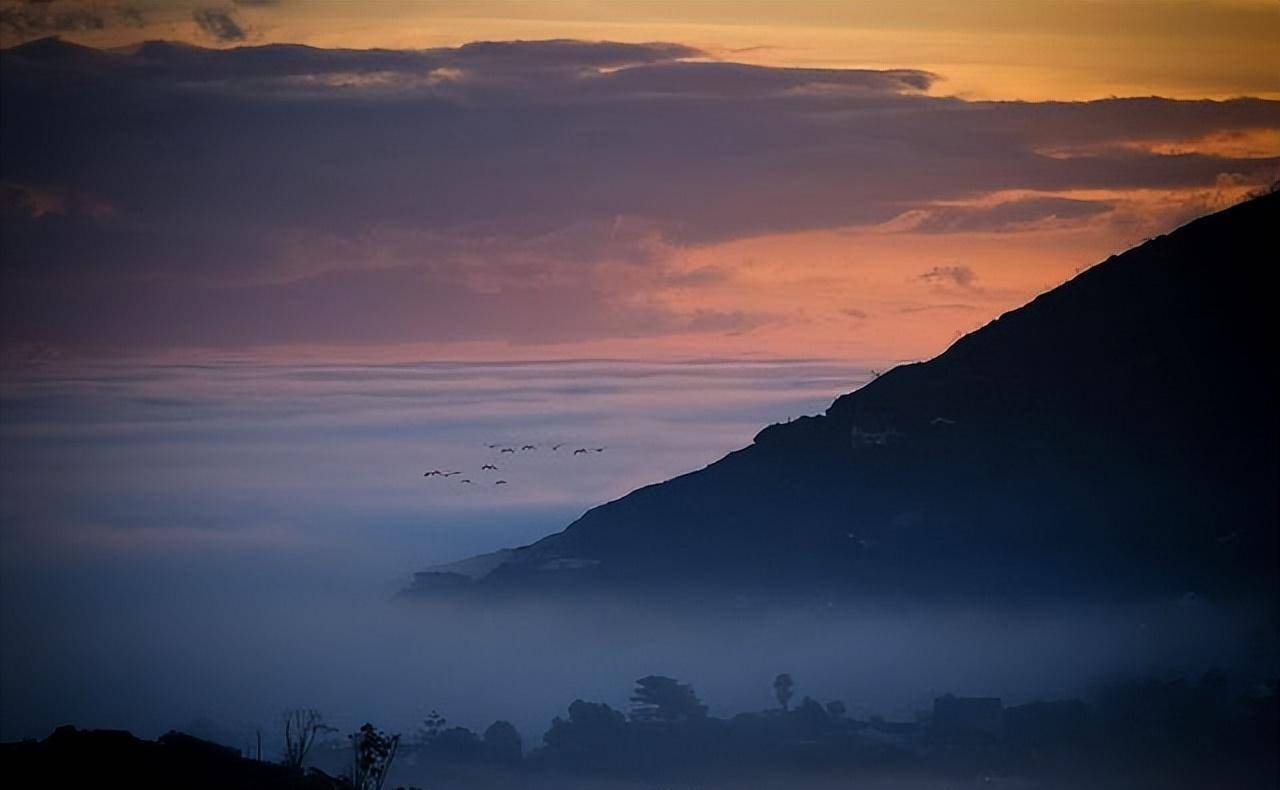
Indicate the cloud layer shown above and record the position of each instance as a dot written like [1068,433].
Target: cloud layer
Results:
[528,192]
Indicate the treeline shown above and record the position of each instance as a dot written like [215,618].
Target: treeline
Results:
[1184,729]
[1201,732]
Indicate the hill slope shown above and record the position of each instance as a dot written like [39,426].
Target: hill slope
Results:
[1116,434]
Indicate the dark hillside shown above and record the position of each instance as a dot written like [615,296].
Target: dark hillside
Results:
[1117,434]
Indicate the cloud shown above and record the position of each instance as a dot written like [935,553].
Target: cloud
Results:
[20,200]
[559,54]
[703,275]
[954,276]
[355,308]
[925,308]
[739,81]
[45,17]
[219,23]
[513,191]
[1007,215]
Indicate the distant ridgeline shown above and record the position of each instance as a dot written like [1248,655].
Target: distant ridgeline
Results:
[1116,435]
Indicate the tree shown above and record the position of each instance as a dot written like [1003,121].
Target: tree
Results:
[502,743]
[784,688]
[302,726]
[593,736]
[456,744]
[660,698]
[373,752]
[432,726]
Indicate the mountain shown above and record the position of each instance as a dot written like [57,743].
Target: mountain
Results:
[54,50]
[1116,435]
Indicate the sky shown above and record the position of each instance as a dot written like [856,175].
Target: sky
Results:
[648,180]
[263,263]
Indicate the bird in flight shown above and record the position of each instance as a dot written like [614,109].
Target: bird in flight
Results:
[500,482]
[434,473]
[599,449]
[464,480]
[507,450]
[488,466]
[580,450]
[557,446]
[451,474]
[529,447]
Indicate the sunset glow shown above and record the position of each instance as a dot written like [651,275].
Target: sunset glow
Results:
[828,178]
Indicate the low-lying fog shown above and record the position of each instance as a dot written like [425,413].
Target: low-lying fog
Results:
[204,547]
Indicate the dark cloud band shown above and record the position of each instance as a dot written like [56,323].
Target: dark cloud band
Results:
[292,180]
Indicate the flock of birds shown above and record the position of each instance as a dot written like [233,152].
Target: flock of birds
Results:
[445,474]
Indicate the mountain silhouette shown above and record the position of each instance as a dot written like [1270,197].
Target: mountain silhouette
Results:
[1116,435]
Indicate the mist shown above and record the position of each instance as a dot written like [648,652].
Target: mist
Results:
[163,652]
[203,548]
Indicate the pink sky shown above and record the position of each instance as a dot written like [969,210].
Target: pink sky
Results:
[820,180]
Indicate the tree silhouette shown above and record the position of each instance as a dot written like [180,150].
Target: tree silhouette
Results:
[660,698]
[502,743]
[594,736]
[432,726]
[457,744]
[784,688]
[373,751]
[302,726]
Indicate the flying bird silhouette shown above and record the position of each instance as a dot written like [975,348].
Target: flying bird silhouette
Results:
[464,480]
[500,482]
[557,446]
[506,450]
[579,450]
[529,447]
[488,466]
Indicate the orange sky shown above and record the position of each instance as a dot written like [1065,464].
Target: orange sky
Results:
[1028,49]
[900,286]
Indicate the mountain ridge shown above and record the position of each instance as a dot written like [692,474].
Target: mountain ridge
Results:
[1084,441]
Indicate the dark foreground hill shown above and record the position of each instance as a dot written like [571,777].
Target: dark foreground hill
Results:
[1116,435]
[71,758]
